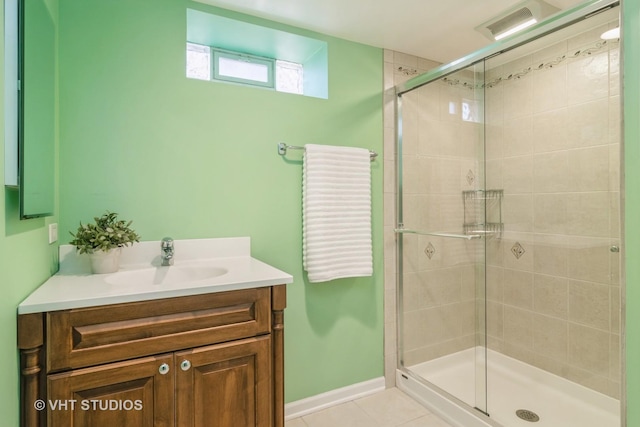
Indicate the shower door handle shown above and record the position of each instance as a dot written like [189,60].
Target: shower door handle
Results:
[437,234]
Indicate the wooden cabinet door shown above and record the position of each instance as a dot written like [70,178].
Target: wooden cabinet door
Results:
[133,393]
[225,385]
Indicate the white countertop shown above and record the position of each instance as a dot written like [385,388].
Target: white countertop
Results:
[75,287]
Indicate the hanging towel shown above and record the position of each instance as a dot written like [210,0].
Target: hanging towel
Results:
[336,213]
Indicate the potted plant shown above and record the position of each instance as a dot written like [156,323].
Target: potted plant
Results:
[103,241]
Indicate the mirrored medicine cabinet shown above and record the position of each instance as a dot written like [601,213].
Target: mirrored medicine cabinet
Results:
[30,79]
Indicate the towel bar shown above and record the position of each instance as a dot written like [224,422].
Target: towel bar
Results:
[439,234]
[282,150]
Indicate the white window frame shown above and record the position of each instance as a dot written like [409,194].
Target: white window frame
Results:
[236,56]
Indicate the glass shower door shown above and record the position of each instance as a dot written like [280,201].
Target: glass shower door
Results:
[553,145]
[441,229]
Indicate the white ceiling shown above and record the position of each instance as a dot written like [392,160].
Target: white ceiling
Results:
[440,30]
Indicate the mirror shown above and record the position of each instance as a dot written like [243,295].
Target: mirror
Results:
[36,118]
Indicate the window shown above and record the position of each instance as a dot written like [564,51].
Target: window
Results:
[224,49]
[235,67]
[208,63]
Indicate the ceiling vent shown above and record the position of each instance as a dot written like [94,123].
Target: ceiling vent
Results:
[516,19]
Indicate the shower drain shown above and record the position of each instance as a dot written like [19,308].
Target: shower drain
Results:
[527,415]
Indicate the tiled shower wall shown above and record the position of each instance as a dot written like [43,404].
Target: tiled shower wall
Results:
[553,146]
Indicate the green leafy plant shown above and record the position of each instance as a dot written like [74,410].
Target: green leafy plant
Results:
[106,233]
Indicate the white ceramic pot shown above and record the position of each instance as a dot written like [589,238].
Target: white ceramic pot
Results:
[105,262]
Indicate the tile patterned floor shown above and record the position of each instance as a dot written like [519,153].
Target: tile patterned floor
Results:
[389,408]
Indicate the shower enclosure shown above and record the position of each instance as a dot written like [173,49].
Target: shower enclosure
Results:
[508,229]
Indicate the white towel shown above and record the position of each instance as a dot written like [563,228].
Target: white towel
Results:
[336,213]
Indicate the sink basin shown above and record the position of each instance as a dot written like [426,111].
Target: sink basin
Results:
[172,275]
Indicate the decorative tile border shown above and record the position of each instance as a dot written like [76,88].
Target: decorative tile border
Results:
[542,66]
[407,71]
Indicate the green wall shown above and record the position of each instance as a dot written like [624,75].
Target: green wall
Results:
[193,159]
[631,79]
[26,261]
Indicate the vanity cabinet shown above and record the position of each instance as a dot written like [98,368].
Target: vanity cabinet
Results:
[203,360]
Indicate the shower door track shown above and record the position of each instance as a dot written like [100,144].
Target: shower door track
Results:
[445,405]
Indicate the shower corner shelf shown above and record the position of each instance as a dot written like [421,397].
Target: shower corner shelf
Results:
[483,212]
[480,229]
[483,194]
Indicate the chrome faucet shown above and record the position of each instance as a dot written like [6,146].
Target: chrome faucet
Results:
[167,251]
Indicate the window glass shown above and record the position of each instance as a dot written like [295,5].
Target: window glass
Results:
[243,69]
[289,77]
[198,61]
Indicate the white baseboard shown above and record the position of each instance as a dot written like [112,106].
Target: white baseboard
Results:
[334,397]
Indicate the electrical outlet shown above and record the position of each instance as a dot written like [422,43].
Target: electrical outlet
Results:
[53,233]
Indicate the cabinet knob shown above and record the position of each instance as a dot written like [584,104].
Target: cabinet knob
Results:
[185,365]
[164,369]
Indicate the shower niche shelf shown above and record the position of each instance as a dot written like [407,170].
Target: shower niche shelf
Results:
[483,212]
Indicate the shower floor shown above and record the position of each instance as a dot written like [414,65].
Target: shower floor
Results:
[514,385]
